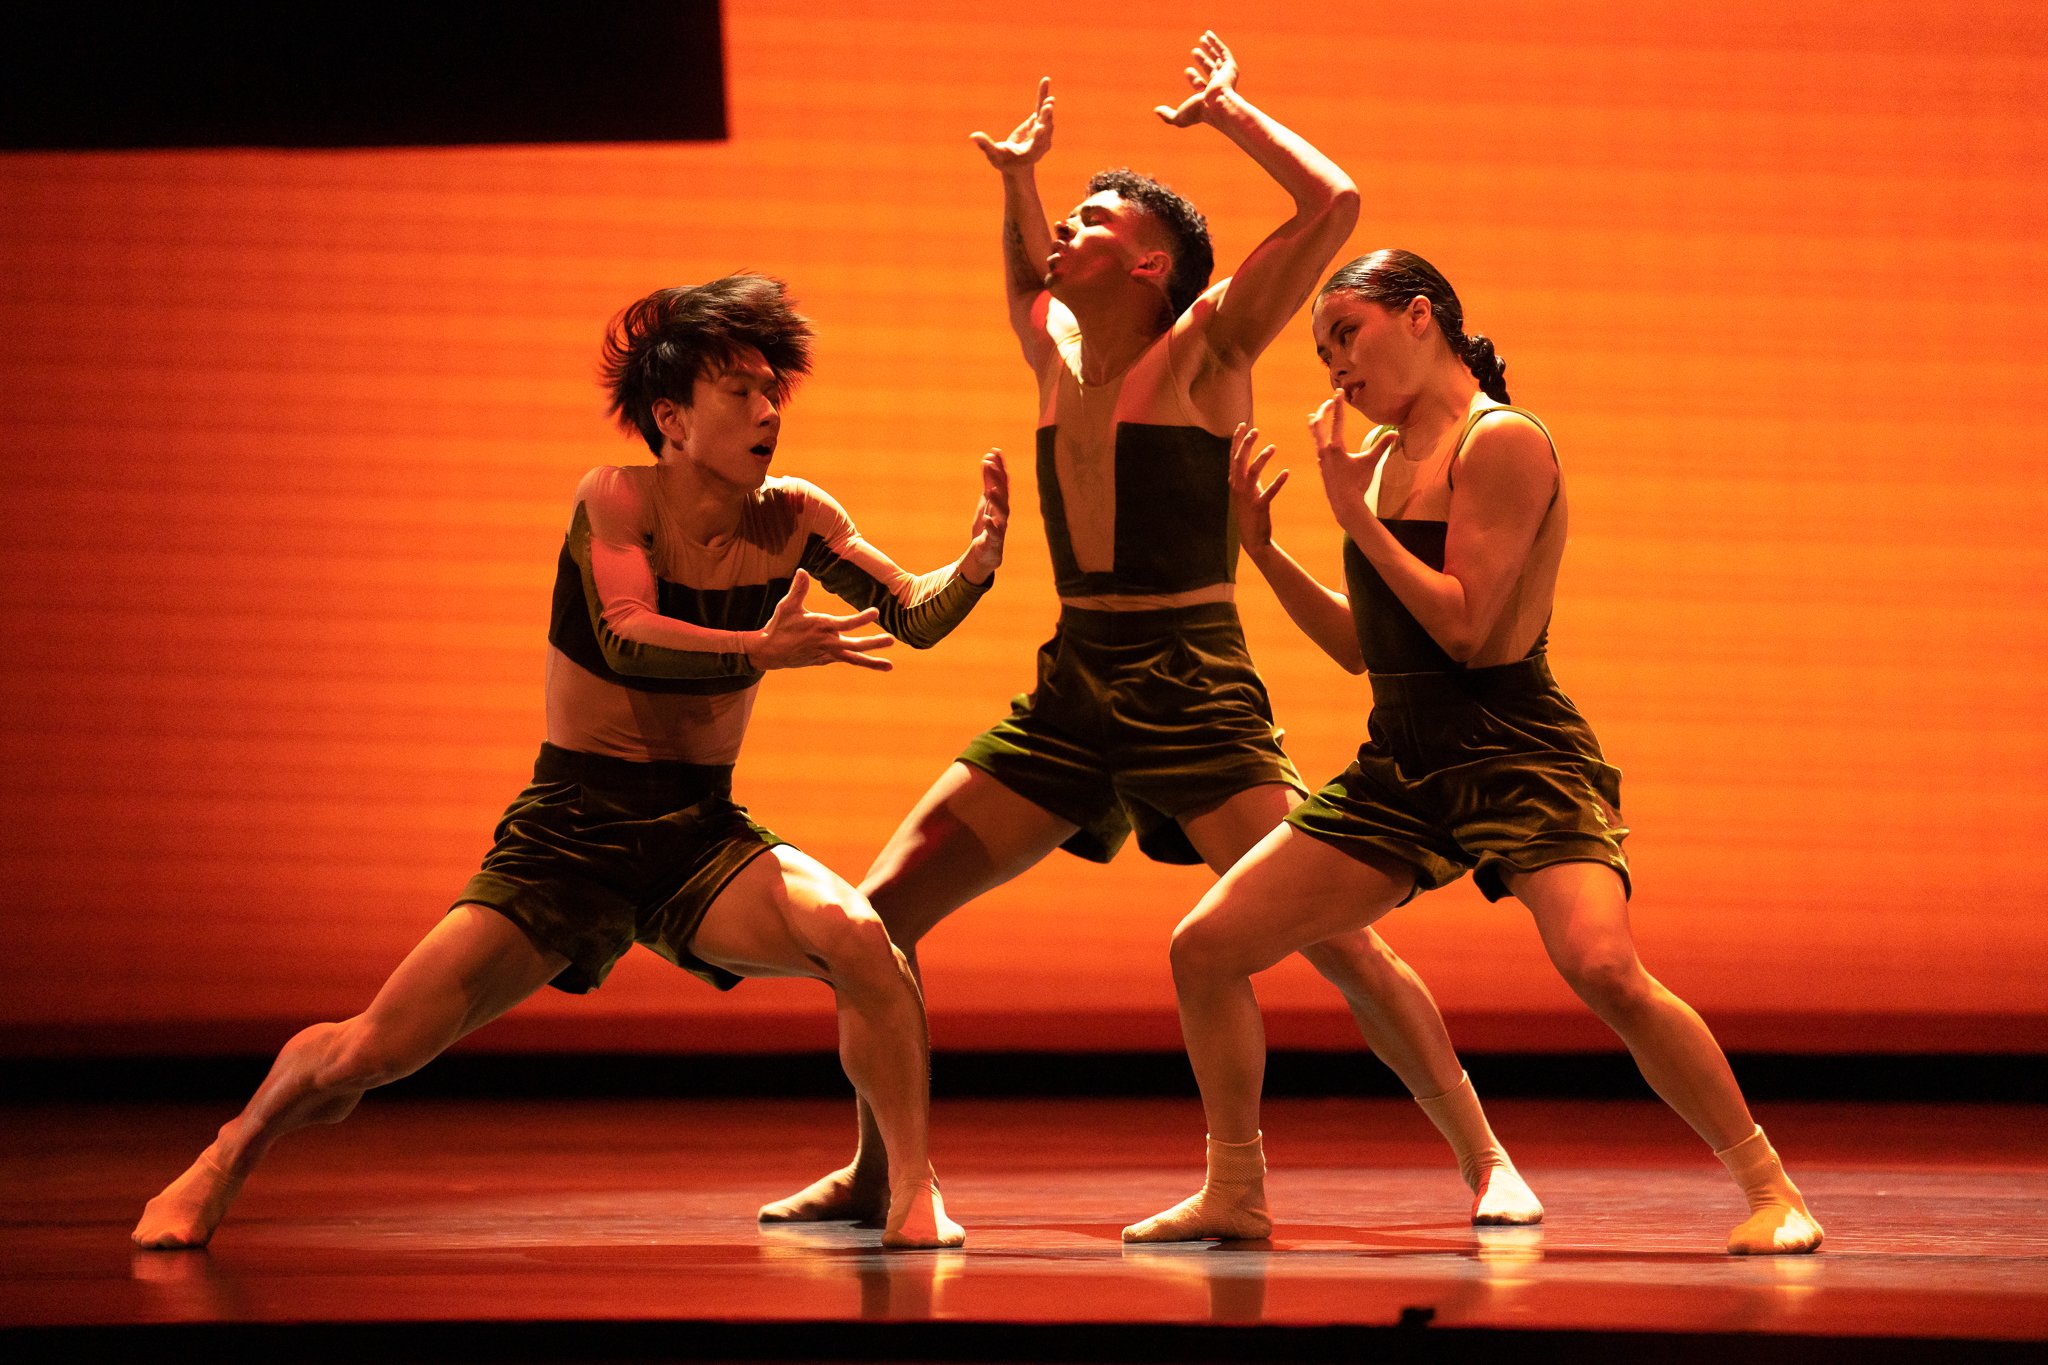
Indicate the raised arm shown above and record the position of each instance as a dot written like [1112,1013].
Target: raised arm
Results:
[1323,615]
[1026,239]
[608,542]
[1253,305]
[918,609]
[1506,481]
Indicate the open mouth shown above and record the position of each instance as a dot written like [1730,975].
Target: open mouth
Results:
[764,450]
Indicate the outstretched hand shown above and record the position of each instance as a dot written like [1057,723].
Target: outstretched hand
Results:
[991,521]
[1213,75]
[1028,141]
[1254,502]
[1346,476]
[795,638]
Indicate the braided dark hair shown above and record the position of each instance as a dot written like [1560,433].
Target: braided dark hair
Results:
[658,346]
[1392,277]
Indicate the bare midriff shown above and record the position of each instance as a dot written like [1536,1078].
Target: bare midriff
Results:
[1193,597]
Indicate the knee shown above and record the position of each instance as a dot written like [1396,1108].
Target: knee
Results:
[1359,965]
[1202,953]
[852,943]
[1611,981]
[363,1054]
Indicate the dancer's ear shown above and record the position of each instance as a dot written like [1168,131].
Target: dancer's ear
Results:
[672,419]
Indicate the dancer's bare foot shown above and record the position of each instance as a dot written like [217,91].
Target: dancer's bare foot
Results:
[1500,1197]
[188,1209]
[848,1194]
[918,1221]
[1222,1210]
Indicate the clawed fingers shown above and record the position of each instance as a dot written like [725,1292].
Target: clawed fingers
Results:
[853,650]
[1326,423]
[993,512]
[1028,140]
[1241,443]
[844,623]
[793,601]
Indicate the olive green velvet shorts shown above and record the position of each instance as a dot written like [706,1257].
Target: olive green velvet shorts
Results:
[600,853]
[1137,718]
[1487,770]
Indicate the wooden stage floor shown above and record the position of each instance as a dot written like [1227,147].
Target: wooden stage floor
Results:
[623,1229]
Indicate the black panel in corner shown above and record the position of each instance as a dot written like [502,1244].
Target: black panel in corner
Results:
[95,75]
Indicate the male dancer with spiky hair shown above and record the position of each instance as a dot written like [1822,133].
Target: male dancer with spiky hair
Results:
[680,583]
[1148,715]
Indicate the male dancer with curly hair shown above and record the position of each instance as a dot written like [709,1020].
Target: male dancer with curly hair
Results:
[1148,715]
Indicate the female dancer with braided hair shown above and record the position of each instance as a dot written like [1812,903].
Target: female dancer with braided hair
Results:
[1454,517]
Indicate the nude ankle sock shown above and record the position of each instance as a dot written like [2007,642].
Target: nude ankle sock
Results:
[1500,1195]
[1778,1222]
[1231,1205]
[1236,1162]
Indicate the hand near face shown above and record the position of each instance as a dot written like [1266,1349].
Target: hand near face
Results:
[991,521]
[1252,501]
[1346,477]
[1213,75]
[1028,142]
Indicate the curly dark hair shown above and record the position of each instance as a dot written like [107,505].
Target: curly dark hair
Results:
[1194,260]
[659,346]
[1392,277]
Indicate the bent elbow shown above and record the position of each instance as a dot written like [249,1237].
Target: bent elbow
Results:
[619,654]
[1343,206]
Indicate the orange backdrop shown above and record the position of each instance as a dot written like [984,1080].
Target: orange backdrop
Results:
[290,439]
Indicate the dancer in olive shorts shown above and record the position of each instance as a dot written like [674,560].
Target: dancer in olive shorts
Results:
[1455,521]
[1147,715]
[678,585]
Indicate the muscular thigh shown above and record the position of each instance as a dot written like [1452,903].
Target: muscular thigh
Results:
[1226,831]
[967,835]
[1288,892]
[471,967]
[1581,912]
[776,915]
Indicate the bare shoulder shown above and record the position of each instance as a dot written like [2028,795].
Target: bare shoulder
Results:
[1509,448]
[1504,433]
